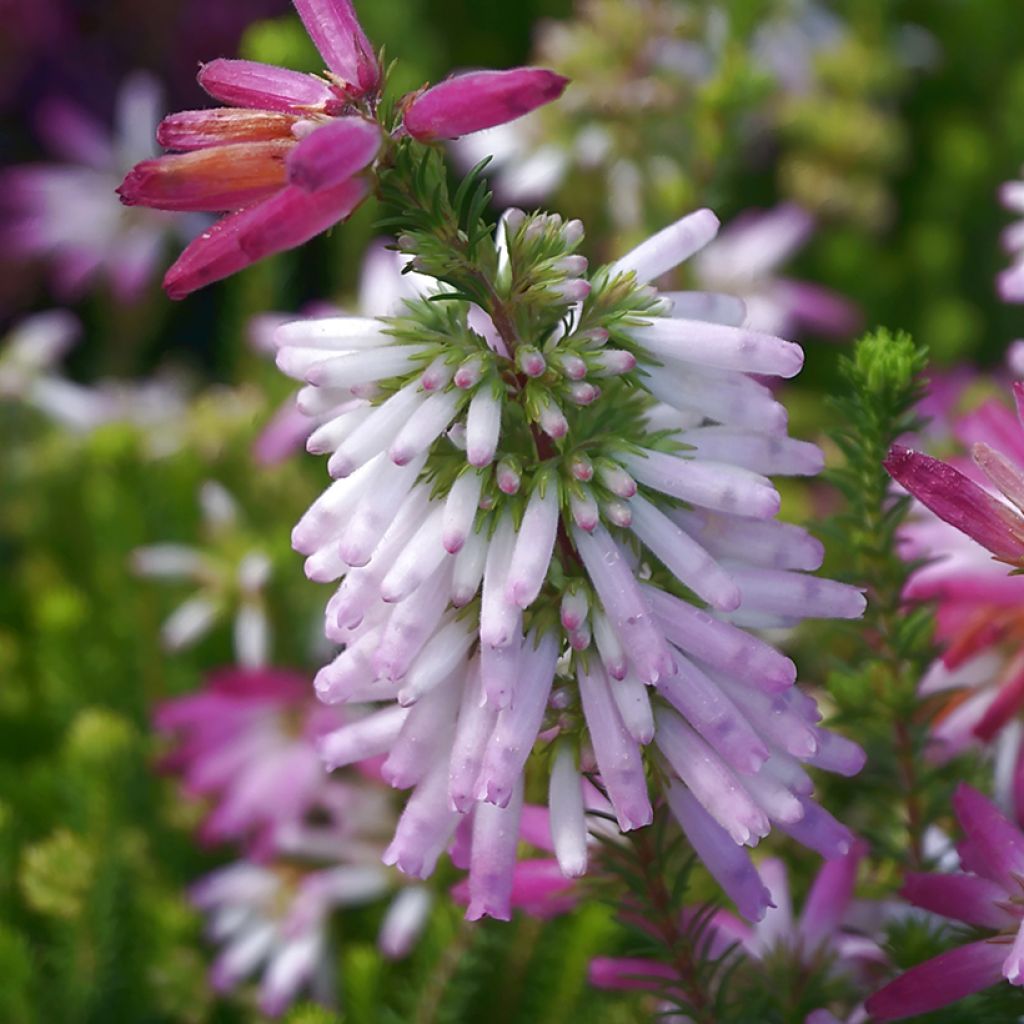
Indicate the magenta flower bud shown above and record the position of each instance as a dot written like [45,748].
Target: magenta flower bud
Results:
[581,467]
[508,476]
[288,218]
[337,34]
[332,153]
[480,99]
[960,502]
[530,361]
[584,393]
[247,83]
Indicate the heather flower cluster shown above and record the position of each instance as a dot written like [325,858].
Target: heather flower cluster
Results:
[507,526]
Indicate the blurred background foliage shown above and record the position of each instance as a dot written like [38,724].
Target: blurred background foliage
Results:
[909,125]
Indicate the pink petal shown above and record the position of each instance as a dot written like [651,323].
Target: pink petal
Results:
[214,179]
[830,897]
[197,129]
[940,981]
[247,83]
[959,501]
[478,100]
[966,898]
[997,845]
[283,221]
[333,153]
[337,34]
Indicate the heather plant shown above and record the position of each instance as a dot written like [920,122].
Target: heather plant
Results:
[607,654]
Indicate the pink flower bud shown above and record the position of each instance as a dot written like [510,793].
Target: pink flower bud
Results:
[478,100]
[508,476]
[530,361]
[581,467]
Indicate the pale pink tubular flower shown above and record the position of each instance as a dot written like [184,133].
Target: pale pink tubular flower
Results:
[744,261]
[984,895]
[980,622]
[62,213]
[284,158]
[1011,281]
[446,603]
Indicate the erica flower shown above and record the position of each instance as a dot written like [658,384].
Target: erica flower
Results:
[504,503]
[274,919]
[980,611]
[984,895]
[743,260]
[384,287]
[247,743]
[231,576]
[818,938]
[284,157]
[1011,280]
[63,212]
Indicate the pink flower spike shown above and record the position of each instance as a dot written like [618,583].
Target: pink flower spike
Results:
[480,99]
[329,155]
[337,34]
[247,83]
[959,501]
[283,221]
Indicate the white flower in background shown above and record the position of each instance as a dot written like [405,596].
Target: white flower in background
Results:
[230,576]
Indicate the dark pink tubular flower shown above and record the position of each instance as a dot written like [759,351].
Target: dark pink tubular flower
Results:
[284,158]
[247,742]
[469,103]
[984,895]
[995,524]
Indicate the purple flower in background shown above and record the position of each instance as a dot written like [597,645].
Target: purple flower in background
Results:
[984,895]
[819,935]
[247,742]
[283,159]
[1011,281]
[618,525]
[231,575]
[743,262]
[64,214]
